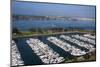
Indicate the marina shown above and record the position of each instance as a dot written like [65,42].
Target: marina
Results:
[84,38]
[46,54]
[79,43]
[67,47]
[16,57]
[90,36]
[44,49]
[52,33]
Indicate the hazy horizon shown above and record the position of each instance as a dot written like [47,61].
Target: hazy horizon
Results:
[45,9]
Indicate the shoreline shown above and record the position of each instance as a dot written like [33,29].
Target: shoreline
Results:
[45,34]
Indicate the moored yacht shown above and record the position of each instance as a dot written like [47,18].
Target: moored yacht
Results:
[46,54]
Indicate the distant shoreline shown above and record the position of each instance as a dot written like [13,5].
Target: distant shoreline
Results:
[30,17]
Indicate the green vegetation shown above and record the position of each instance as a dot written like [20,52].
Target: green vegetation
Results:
[39,31]
[88,57]
[16,31]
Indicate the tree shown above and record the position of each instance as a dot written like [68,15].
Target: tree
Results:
[32,30]
[16,30]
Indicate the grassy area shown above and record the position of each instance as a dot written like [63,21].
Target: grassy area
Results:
[32,32]
[85,58]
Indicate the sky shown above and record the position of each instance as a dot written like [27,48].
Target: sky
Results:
[50,9]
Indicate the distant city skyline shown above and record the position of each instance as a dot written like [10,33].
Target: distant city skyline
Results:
[46,9]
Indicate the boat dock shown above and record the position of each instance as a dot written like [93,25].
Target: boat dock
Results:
[15,55]
[46,54]
[67,47]
[79,43]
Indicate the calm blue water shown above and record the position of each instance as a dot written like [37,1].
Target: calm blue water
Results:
[25,25]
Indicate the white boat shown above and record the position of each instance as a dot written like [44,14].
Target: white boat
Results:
[15,55]
[92,41]
[67,47]
[46,54]
[79,43]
